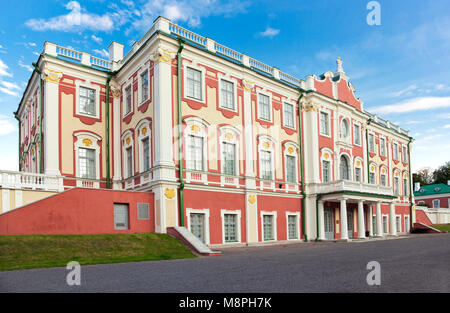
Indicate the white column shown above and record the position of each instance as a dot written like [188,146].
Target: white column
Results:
[50,124]
[371,230]
[321,222]
[361,224]
[343,210]
[393,224]
[379,221]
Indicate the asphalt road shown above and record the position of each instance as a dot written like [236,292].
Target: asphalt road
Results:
[416,263]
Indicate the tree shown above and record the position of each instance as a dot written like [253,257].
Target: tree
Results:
[442,174]
[423,176]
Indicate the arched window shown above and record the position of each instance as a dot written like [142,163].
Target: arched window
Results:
[344,168]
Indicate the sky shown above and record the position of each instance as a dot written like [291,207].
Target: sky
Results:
[400,68]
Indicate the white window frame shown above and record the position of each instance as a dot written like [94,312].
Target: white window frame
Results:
[387,223]
[395,151]
[189,211]
[438,203]
[81,136]
[140,99]
[268,94]
[369,141]
[404,154]
[293,115]
[350,167]
[194,66]
[194,122]
[374,172]
[235,97]
[124,101]
[349,128]
[141,125]
[330,160]
[274,214]
[398,222]
[360,167]
[294,154]
[357,124]
[127,134]
[238,226]
[89,85]
[383,147]
[271,149]
[297,217]
[328,113]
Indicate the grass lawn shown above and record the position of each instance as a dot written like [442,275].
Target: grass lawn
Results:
[442,227]
[23,252]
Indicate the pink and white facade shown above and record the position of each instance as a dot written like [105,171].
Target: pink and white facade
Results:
[259,156]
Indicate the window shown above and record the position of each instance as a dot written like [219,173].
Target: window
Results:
[404,154]
[371,143]
[230,227]
[195,146]
[289,115]
[120,216]
[194,83]
[227,95]
[383,146]
[344,128]
[87,101]
[326,177]
[385,225]
[290,169]
[146,154]
[268,228]
[128,102]
[324,124]
[143,211]
[344,168]
[398,224]
[405,187]
[144,86]
[86,158]
[383,179]
[129,154]
[229,158]
[292,227]
[395,151]
[358,174]
[266,165]
[264,107]
[372,178]
[396,187]
[357,134]
[436,204]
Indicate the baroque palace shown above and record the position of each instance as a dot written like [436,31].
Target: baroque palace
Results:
[183,131]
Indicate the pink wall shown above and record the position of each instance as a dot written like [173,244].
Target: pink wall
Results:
[78,211]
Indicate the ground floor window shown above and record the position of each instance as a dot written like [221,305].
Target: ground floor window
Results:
[268,227]
[406,224]
[230,227]
[385,225]
[292,227]
[197,225]
[374,225]
[399,225]
[121,213]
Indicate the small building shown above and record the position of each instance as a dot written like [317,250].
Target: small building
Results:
[434,196]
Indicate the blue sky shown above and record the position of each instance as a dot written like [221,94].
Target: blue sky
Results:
[401,68]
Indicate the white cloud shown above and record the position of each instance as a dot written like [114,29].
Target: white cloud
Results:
[26,66]
[447,126]
[97,39]
[414,104]
[32,44]
[102,53]
[7,125]
[10,85]
[408,90]
[270,32]
[77,19]
[4,69]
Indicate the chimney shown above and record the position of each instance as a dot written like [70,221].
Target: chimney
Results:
[416,186]
[115,51]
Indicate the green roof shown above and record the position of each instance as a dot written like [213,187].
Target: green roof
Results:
[432,190]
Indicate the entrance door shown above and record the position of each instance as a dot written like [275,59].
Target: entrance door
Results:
[197,221]
[328,223]
[350,223]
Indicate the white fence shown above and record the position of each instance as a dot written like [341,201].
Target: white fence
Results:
[30,181]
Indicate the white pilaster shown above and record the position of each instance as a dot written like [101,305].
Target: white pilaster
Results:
[379,221]
[343,211]
[393,224]
[361,224]
[248,135]
[117,174]
[321,222]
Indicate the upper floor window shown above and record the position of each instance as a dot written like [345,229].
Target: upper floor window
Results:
[229,158]
[404,154]
[344,128]
[144,86]
[324,124]
[290,169]
[326,174]
[395,151]
[194,83]
[396,186]
[264,107]
[371,143]
[405,186]
[87,101]
[383,179]
[358,174]
[382,146]
[128,100]
[129,155]
[146,154]
[227,95]
[344,168]
[195,155]
[266,164]
[86,159]
[289,115]
[357,134]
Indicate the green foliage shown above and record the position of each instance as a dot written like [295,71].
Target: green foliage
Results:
[442,174]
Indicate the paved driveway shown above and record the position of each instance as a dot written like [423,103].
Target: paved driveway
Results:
[417,263]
